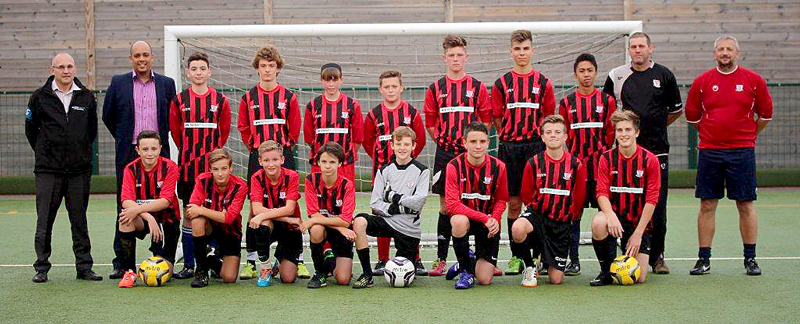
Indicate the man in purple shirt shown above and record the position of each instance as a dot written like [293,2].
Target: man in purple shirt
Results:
[135,101]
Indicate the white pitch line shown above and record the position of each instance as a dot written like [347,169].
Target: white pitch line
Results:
[790,258]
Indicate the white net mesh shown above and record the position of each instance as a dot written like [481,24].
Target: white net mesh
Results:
[364,58]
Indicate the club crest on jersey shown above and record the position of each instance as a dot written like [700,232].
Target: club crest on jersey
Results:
[410,184]
[281,105]
[338,203]
[282,195]
[639,173]
[535,90]
[406,120]
[214,108]
[657,83]
[599,109]
[158,184]
[487,180]
[345,114]
[715,88]
[470,93]
[739,87]
[567,175]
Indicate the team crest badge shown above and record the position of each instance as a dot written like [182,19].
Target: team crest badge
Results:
[214,108]
[715,88]
[535,90]
[338,203]
[281,105]
[739,87]
[282,195]
[470,93]
[567,176]
[158,184]
[657,83]
[345,115]
[410,184]
[406,120]
[639,173]
[599,109]
[487,180]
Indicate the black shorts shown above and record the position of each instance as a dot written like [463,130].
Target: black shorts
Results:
[341,246]
[378,227]
[169,243]
[227,245]
[290,241]
[442,158]
[591,194]
[253,166]
[516,155]
[550,238]
[185,189]
[628,229]
[731,169]
[486,248]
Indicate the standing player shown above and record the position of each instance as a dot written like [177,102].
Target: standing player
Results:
[521,98]
[476,195]
[268,111]
[330,201]
[215,210]
[586,112]
[334,117]
[452,102]
[149,205]
[399,192]
[379,125]
[200,122]
[274,191]
[721,106]
[628,181]
[649,89]
[553,186]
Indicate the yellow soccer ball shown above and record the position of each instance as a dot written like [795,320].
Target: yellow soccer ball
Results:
[155,271]
[625,270]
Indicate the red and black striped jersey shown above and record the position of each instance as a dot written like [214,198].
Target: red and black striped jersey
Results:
[144,186]
[337,121]
[450,105]
[336,201]
[629,182]
[269,115]
[199,124]
[521,101]
[272,196]
[589,129]
[555,189]
[207,194]
[379,125]
[478,192]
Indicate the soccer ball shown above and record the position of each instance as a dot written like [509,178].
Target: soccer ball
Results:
[399,272]
[625,270]
[155,271]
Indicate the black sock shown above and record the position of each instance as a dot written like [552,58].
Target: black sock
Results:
[262,242]
[605,250]
[200,253]
[522,251]
[509,222]
[461,247]
[749,251]
[127,245]
[444,232]
[704,253]
[363,256]
[316,256]
[575,236]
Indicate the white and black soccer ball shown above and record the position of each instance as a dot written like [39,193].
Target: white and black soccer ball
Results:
[399,272]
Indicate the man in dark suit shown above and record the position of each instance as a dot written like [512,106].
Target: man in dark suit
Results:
[135,101]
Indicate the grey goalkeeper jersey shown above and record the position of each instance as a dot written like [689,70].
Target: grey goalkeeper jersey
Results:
[412,181]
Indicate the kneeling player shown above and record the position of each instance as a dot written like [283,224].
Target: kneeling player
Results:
[553,185]
[149,205]
[274,191]
[398,194]
[215,210]
[628,183]
[330,201]
[476,192]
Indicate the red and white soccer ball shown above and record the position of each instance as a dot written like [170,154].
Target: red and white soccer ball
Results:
[399,272]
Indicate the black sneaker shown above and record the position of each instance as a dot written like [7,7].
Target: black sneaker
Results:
[186,273]
[420,269]
[379,267]
[200,279]
[364,281]
[572,269]
[317,281]
[751,266]
[603,279]
[703,266]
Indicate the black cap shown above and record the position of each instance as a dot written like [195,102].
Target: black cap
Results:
[331,65]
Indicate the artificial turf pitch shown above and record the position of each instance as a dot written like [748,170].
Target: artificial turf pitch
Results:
[726,295]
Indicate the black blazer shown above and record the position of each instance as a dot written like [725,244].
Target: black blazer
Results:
[118,113]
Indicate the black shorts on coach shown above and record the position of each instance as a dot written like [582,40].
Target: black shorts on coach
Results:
[378,227]
[733,170]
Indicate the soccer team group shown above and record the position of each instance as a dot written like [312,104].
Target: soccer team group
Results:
[602,149]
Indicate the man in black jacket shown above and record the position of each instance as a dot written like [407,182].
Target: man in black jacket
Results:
[61,124]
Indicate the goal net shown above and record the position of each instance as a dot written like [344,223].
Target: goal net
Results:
[366,50]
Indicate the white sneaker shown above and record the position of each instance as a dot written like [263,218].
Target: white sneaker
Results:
[530,277]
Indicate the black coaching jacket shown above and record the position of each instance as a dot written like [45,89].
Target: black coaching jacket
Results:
[61,142]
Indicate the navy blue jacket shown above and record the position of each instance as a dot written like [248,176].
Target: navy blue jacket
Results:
[119,117]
